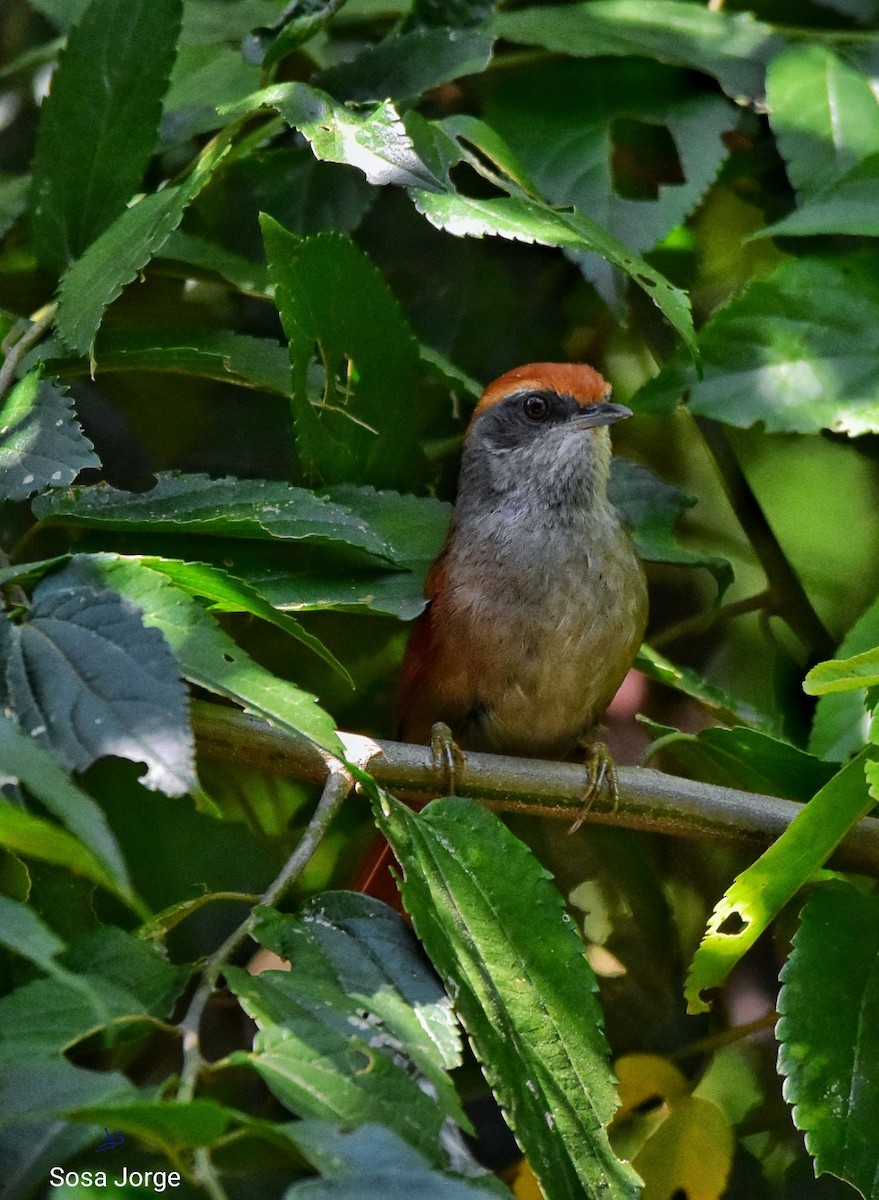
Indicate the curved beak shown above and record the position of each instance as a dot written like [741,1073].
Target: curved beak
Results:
[603,413]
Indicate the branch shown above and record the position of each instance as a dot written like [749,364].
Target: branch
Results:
[16,351]
[648,799]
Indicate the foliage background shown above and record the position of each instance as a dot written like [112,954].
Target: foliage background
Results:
[257,261]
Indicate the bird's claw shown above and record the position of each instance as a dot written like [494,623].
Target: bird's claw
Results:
[602,778]
[448,758]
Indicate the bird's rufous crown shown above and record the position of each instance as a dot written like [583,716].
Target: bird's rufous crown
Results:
[567,379]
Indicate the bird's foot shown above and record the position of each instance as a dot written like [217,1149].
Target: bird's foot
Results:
[448,757]
[602,781]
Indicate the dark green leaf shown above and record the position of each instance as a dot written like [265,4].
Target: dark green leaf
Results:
[823,113]
[23,758]
[205,22]
[205,77]
[454,14]
[798,351]
[732,47]
[204,255]
[722,704]
[524,220]
[839,724]
[131,963]
[48,1015]
[209,658]
[405,65]
[98,124]
[357,424]
[86,677]
[244,508]
[522,987]
[372,1161]
[748,759]
[829,1006]
[41,443]
[847,206]
[651,507]
[22,930]
[164,1124]
[757,896]
[13,200]
[301,20]
[122,250]
[562,125]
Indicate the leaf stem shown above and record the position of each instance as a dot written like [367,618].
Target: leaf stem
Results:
[787,596]
[40,324]
[648,799]
[703,621]
[336,789]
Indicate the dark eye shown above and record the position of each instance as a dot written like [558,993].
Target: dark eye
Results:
[535,408]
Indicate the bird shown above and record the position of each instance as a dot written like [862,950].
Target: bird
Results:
[537,603]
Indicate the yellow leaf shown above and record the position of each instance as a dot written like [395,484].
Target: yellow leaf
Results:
[690,1153]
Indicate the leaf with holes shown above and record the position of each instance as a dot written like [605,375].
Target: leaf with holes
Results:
[757,895]
[87,678]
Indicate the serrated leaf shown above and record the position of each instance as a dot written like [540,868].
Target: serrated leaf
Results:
[798,351]
[823,113]
[846,206]
[23,758]
[98,124]
[49,1016]
[406,65]
[732,47]
[526,220]
[233,358]
[333,301]
[22,930]
[123,249]
[41,443]
[232,508]
[844,675]
[839,726]
[829,1006]
[374,1161]
[651,507]
[209,658]
[757,895]
[724,705]
[561,125]
[86,677]
[521,984]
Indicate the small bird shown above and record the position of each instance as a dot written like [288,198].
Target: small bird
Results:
[537,601]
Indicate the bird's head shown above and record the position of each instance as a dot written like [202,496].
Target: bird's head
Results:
[542,427]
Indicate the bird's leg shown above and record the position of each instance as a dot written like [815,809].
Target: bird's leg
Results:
[447,756]
[602,778]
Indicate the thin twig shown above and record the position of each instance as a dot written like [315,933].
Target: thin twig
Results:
[14,592]
[42,321]
[703,621]
[789,599]
[336,788]
[648,799]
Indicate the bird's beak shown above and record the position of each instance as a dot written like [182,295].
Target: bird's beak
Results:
[603,413]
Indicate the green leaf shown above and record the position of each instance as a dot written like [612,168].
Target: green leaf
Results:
[204,78]
[651,508]
[823,113]
[732,47]
[840,722]
[48,1016]
[798,351]
[249,277]
[524,220]
[87,678]
[406,65]
[722,704]
[845,675]
[13,200]
[300,22]
[374,1161]
[234,358]
[378,143]
[41,443]
[205,22]
[847,206]
[757,896]
[748,759]
[209,658]
[22,930]
[232,508]
[98,124]
[166,1125]
[117,256]
[562,125]
[357,425]
[523,989]
[829,1006]
[131,963]
[228,594]
[23,758]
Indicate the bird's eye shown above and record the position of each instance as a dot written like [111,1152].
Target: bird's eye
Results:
[535,408]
